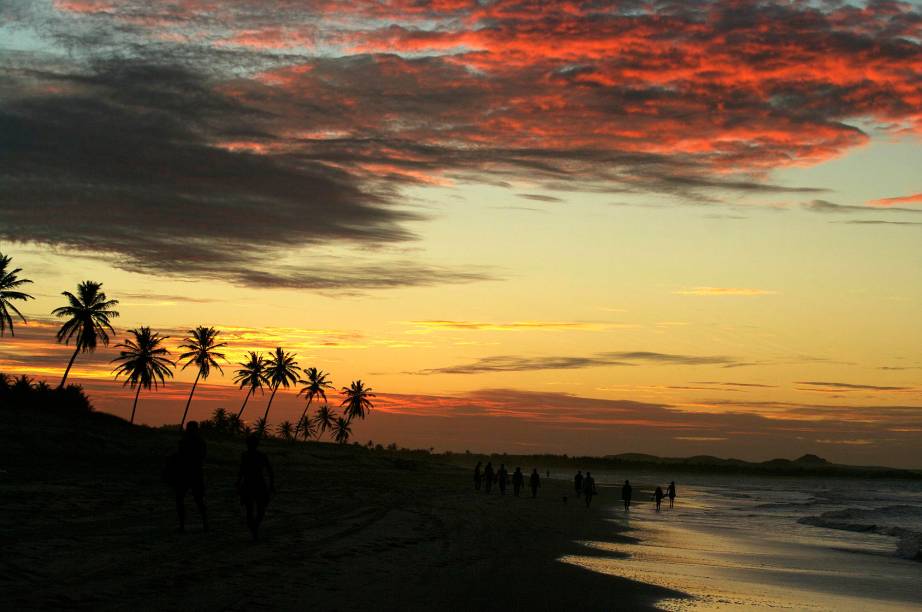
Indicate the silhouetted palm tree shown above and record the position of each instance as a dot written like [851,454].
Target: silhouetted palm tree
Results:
[202,344]
[356,400]
[144,361]
[9,284]
[324,420]
[219,419]
[252,375]
[89,312]
[286,430]
[259,427]
[305,428]
[342,429]
[282,371]
[316,385]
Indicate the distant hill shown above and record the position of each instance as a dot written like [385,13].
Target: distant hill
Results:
[806,465]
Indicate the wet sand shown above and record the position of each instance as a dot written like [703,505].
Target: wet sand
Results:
[85,523]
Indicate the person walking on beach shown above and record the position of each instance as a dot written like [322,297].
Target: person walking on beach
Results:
[589,488]
[535,482]
[670,492]
[518,479]
[478,476]
[502,477]
[658,496]
[626,492]
[186,473]
[578,483]
[488,477]
[252,486]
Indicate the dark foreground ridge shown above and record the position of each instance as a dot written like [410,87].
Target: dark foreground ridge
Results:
[86,522]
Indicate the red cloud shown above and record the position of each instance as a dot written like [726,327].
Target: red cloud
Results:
[563,89]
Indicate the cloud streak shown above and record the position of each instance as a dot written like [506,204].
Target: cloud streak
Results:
[511,363]
[446,325]
[852,386]
[825,206]
[725,291]
[915,198]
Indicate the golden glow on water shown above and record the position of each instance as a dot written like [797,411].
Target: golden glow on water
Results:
[735,571]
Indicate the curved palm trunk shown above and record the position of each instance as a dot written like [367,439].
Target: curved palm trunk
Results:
[245,400]
[69,364]
[135,404]
[189,401]
[269,405]
[303,414]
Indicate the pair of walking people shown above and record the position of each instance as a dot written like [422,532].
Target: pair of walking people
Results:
[659,495]
[584,486]
[185,473]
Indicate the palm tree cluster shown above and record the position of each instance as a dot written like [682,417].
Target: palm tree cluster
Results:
[145,363]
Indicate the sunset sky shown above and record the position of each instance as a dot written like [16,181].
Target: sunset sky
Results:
[578,227]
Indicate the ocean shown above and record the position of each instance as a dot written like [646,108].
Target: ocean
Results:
[744,542]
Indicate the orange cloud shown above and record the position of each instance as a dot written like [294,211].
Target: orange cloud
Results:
[915,198]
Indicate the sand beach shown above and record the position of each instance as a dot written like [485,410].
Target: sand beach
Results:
[86,523]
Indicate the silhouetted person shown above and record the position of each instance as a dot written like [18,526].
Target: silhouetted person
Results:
[578,483]
[251,483]
[670,492]
[478,477]
[502,477]
[488,477]
[188,474]
[548,473]
[518,479]
[589,488]
[626,491]
[535,482]
[658,496]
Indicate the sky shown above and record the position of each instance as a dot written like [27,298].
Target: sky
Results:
[677,228]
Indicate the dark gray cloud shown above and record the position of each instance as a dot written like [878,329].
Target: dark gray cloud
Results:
[136,163]
[511,363]
[538,197]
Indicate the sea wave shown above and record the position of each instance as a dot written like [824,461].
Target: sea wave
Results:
[787,505]
[902,522]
